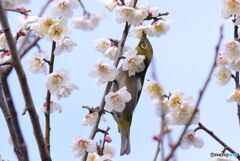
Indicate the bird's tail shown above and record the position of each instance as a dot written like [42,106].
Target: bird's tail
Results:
[125,141]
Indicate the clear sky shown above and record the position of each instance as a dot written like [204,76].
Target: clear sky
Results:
[183,58]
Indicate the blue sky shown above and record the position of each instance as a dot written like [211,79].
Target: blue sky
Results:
[183,58]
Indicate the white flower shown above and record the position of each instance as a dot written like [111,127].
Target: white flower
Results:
[54,107]
[223,75]
[190,139]
[133,63]
[159,28]
[102,44]
[161,106]
[93,157]
[105,158]
[28,21]
[37,64]
[4,57]
[103,72]
[175,100]
[154,89]
[57,31]
[231,51]
[230,8]
[109,4]
[221,60]
[64,8]
[55,81]
[64,45]
[235,65]
[90,118]
[234,96]
[182,115]
[140,13]
[81,145]
[109,149]
[66,89]
[111,52]
[87,22]
[138,31]
[3,41]
[116,101]
[124,14]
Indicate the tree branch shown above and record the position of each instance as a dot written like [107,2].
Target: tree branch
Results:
[48,100]
[199,97]
[24,86]
[225,146]
[13,113]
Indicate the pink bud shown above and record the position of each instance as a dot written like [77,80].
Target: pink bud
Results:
[155,138]
[108,139]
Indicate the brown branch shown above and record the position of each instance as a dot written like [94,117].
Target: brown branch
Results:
[225,146]
[104,141]
[24,86]
[10,124]
[199,97]
[13,113]
[48,100]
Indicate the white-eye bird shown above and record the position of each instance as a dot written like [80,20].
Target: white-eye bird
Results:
[134,86]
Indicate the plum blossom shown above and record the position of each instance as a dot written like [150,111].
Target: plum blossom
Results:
[54,107]
[133,63]
[109,4]
[93,157]
[87,22]
[138,31]
[5,57]
[3,41]
[159,28]
[154,89]
[231,51]
[66,89]
[64,8]
[116,101]
[190,139]
[81,145]
[105,157]
[124,13]
[64,45]
[234,96]
[102,44]
[28,21]
[230,8]
[223,75]
[103,72]
[109,149]
[37,64]
[175,100]
[57,31]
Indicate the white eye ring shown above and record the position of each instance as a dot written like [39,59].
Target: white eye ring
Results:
[143,45]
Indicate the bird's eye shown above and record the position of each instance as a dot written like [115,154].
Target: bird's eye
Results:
[144,46]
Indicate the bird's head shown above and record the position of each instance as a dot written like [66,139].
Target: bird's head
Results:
[144,47]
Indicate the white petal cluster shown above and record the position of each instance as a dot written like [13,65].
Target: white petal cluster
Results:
[156,29]
[116,101]
[223,75]
[81,145]
[64,45]
[230,8]
[54,107]
[93,157]
[87,22]
[103,72]
[109,149]
[12,4]
[154,89]
[133,63]
[3,41]
[64,8]
[53,28]
[109,4]
[190,139]
[234,96]
[28,21]
[108,47]
[37,64]
[58,83]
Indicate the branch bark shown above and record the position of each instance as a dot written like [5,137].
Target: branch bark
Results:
[24,86]
[48,100]
[13,114]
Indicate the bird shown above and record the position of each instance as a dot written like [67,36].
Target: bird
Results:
[134,86]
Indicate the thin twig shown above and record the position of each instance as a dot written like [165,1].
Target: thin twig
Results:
[225,146]
[199,97]
[13,113]
[104,140]
[48,100]
[85,12]
[24,87]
